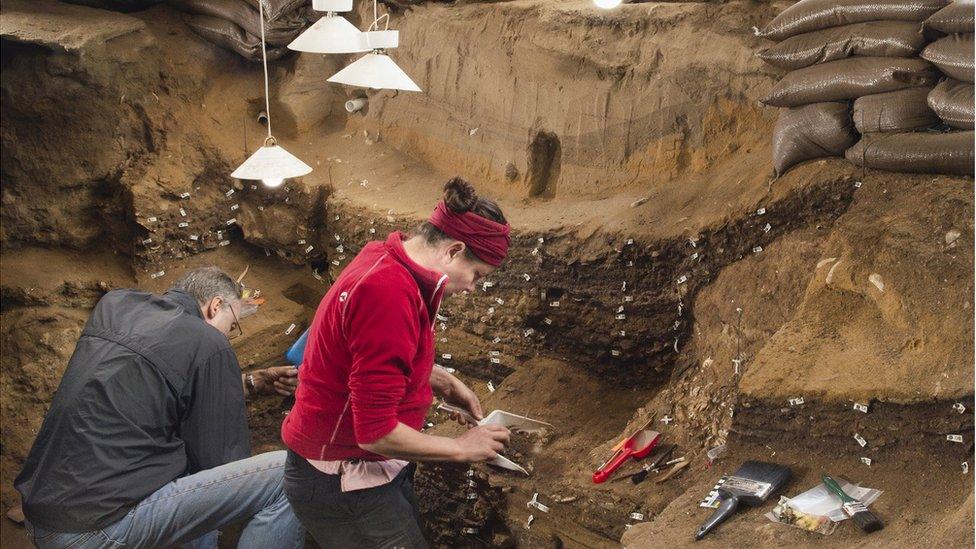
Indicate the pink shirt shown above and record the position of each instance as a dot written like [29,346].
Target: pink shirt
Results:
[359,474]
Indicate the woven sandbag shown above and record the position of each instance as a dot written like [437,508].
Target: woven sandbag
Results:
[953,55]
[811,15]
[872,39]
[117,5]
[848,79]
[274,9]
[277,33]
[811,131]
[229,36]
[895,111]
[956,17]
[952,101]
[916,152]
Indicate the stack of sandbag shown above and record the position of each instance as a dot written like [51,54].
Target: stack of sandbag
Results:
[236,24]
[854,68]
[952,98]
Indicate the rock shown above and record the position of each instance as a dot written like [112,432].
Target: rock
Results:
[951,236]
[511,172]
[875,279]
[16,514]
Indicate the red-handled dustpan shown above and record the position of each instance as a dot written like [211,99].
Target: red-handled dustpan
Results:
[637,446]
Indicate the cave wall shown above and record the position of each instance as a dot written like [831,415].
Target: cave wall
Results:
[631,95]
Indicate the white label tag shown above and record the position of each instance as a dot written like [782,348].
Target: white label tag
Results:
[860,440]
[863,408]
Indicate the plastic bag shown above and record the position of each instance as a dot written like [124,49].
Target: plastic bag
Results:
[811,15]
[918,152]
[872,39]
[894,111]
[952,101]
[953,55]
[849,79]
[956,17]
[811,131]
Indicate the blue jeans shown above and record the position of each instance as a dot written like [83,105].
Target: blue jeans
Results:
[190,509]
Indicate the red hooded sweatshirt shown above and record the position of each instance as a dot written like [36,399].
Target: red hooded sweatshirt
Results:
[369,355]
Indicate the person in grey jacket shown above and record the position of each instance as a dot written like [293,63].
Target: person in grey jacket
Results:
[146,441]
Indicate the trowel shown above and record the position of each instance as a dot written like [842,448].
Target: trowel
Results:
[509,420]
[638,446]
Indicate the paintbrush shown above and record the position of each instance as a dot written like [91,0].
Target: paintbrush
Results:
[751,484]
[859,513]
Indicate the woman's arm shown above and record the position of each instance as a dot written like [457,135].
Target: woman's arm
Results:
[477,444]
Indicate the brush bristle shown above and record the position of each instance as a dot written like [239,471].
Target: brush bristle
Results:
[862,517]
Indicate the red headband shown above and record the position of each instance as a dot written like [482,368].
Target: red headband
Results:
[487,239]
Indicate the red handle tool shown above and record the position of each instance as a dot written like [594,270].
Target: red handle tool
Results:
[637,446]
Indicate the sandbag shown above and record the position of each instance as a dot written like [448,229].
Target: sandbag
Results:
[811,15]
[956,17]
[811,131]
[900,110]
[953,55]
[916,152]
[952,101]
[872,39]
[231,37]
[117,5]
[277,33]
[849,79]
[274,9]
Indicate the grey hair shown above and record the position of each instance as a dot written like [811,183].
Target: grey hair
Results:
[206,283]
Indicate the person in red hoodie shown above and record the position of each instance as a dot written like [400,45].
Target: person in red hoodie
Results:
[368,378]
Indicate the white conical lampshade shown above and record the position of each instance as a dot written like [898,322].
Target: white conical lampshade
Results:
[271,163]
[375,70]
[330,34]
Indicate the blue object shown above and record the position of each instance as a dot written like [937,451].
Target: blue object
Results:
[296,354]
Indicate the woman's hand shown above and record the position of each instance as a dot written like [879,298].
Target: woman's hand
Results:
[454,391]
[277,379]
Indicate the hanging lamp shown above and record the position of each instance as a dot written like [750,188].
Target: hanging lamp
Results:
[331,33]
[375,69]
[270,164]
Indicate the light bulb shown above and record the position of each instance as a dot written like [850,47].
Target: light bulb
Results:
[607,4]
[273,182]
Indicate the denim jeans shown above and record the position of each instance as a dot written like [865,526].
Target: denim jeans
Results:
[382,517]
[190,509]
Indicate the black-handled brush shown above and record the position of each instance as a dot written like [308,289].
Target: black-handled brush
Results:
[751,484]
[859,513]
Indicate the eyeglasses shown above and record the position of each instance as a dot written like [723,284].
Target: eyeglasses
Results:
[236,324]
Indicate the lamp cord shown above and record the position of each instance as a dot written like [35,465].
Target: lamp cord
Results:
[376,20]
[264,59]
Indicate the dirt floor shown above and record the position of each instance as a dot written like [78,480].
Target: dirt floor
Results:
[658,272]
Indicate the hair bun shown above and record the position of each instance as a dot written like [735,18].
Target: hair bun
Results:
[459,195]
